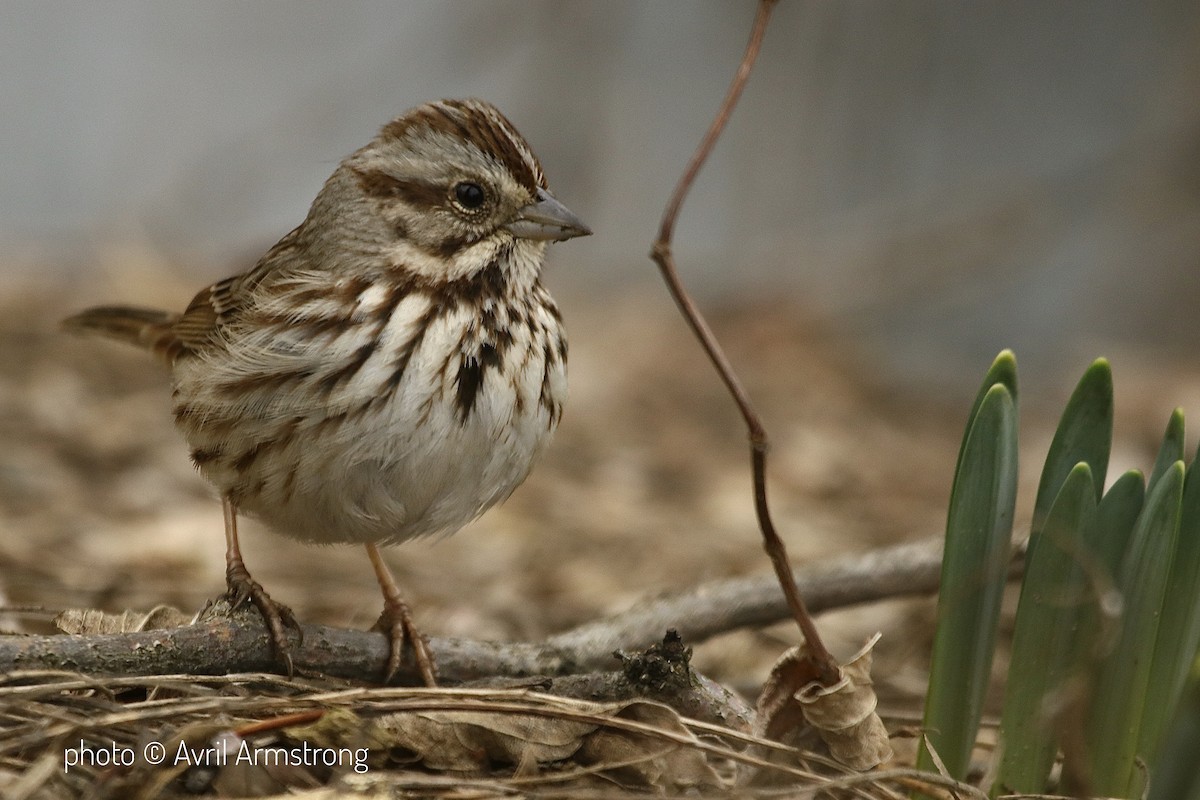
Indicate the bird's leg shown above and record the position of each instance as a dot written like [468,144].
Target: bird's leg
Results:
[397,622]
[241,587]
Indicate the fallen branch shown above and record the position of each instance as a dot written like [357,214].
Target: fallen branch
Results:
[720,606]
[221,644]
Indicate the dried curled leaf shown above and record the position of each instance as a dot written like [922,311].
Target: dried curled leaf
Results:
[472,741]
[93,621]
[642,759]
[842,714]
[527,740]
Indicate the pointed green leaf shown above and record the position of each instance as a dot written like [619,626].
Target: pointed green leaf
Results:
[1108,542]
[1119,510]
[1045,649]
[1179,627]
[1122,680]
[1172,447]
[1084,434]
[1004,372]
[974,571]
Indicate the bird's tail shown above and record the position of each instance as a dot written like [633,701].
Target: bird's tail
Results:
[146,328]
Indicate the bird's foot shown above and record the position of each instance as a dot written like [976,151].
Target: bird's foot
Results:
[396,621]
[243,588]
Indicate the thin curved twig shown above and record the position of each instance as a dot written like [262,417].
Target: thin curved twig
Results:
[662,254]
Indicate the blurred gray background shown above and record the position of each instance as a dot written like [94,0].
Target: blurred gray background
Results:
[933,180]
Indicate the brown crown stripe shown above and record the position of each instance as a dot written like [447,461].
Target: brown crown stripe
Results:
[447,117]
[476,122]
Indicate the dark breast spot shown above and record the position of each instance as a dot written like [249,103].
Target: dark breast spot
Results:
[470,376]
[472,372]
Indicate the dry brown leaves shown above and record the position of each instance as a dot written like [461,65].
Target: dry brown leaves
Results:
[843,715]
[259,735]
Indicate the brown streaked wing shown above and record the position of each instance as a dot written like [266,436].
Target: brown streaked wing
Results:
[197,326]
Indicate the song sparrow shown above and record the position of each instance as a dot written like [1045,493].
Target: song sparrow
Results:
[392,367]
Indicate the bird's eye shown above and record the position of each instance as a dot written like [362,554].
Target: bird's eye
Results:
[469,195]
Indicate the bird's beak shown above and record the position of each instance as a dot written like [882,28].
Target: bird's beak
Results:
[547,220]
